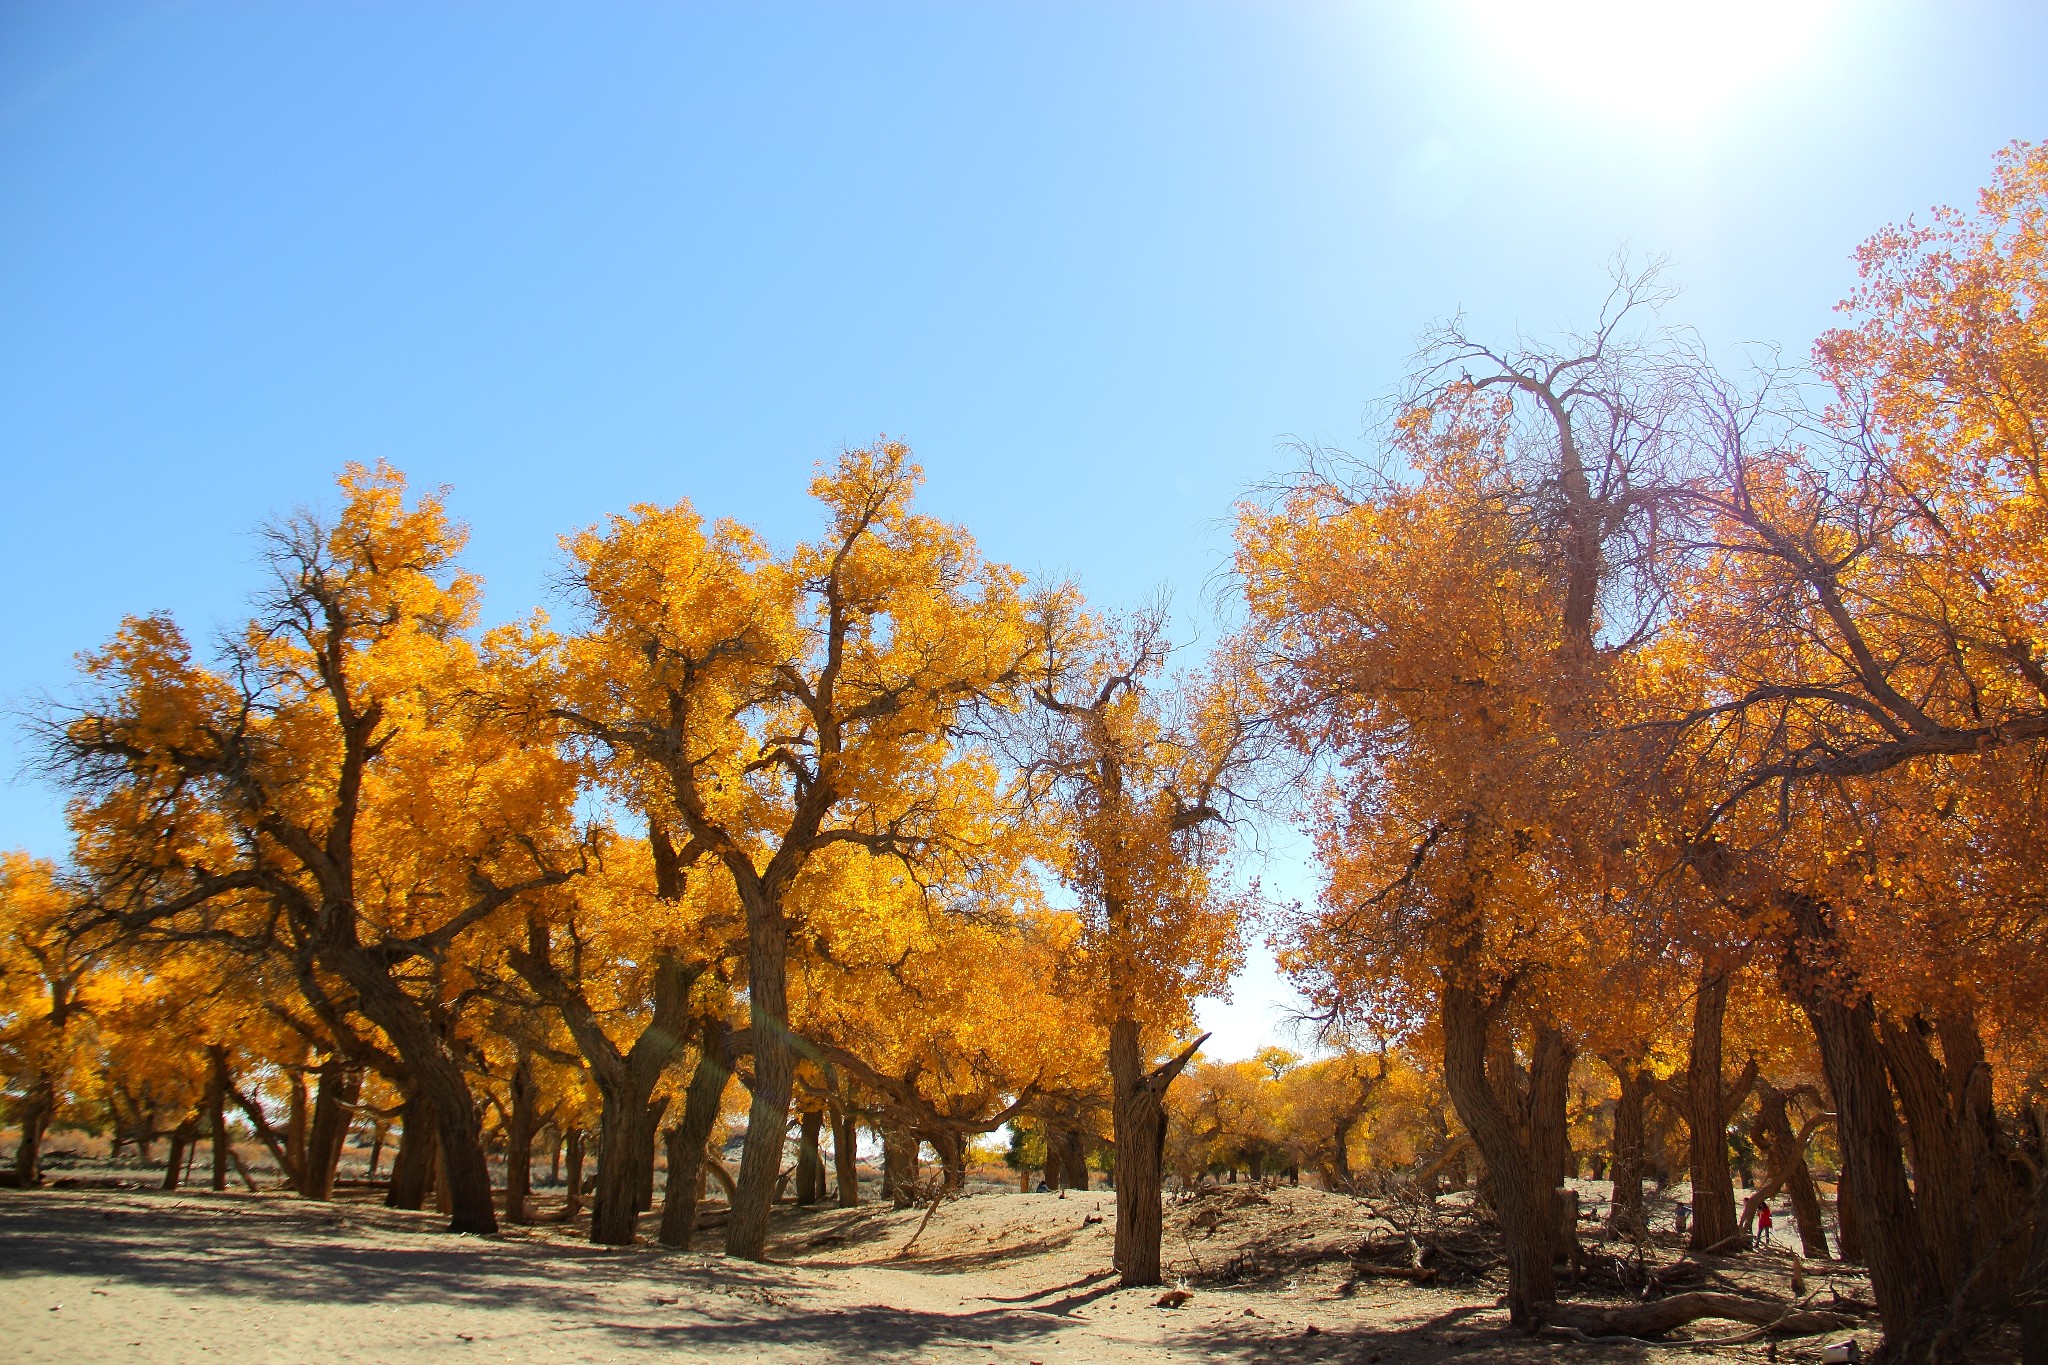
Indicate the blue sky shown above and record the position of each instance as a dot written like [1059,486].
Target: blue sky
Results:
[1098,264]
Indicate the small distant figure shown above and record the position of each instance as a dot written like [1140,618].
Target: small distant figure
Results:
[1763,1225]
[1681,1214]
[1043,1187]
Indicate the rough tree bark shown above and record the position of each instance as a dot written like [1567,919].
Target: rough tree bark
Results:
[899,1166]
[1527,1221]
[412,1169]
[1625,1214]
[33,1115]
[1550,1070]
[1902,1273]
[217,1087]
[183,1138]
[1139,1096]
[746,1231]
[687,1139]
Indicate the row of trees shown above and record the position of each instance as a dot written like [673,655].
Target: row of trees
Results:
[804,819]
[1644,713]
[1634,688]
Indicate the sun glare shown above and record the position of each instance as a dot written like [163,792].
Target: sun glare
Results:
[1668,61]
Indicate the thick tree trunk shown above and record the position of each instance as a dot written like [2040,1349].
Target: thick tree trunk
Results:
[746,1231]
[519,1139]
[1625,1213]
[1550,1071]
[686,1141]
[846,1157]
[435,1073]
[1849,1240]
[1902,1274]
[1969,1194]
[1073,1151]
[625,1138]
[412,1169]
[1527,1225]
[1708,1105]
[1139,1099]
[334,1106]
[810,1167]
[899,1166]
[2033,1296]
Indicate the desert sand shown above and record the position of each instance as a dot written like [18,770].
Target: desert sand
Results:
[89,1275]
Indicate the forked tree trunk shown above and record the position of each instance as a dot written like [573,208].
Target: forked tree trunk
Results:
[810,1167]
[686,1141]
[746,1231]
[952,1153]
[519,1139]
[1787,1156]
[1527,1223]
[1625,1211]
[846,1157]
[183,1138]
[437,1084]
[1139,1096]
[625,1138]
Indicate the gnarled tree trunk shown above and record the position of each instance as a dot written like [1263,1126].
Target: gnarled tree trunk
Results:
[1139,1096]
[334,1106]
[846,1156]
[519,1139]
[1786,1152]
[1707,1104]
[810,1167]
[746,1231]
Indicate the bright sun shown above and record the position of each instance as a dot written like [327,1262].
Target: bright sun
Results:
[1670,61]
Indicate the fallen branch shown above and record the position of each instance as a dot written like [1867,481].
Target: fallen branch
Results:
[1655,1319]
[931,1209]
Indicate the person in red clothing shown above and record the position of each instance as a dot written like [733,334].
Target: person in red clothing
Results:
[1763,1224]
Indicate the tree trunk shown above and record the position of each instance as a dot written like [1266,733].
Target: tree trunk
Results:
[952,1152]
[625,1143]
[1139,1097]
[1849,1238]
[846,1156]
[810,1167]
[34,1114]
[1526,1223]
[1902,1274]
[1074,1151]
[686,1141]
[1969,1196]
[217,1102]
[573,1196]
[1787,1157]
[746,1231]
[2034,1280]
[1708,1105]
[1625,1213]
[183,1138]
[435,1073]
[899,1167]
[334,1106]
[1550,1072]
[519,1140]
[297,1121]
[412,1169]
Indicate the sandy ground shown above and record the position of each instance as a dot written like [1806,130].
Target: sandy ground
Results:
[91,1275]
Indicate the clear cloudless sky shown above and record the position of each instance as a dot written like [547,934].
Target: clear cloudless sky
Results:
[1098,263]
